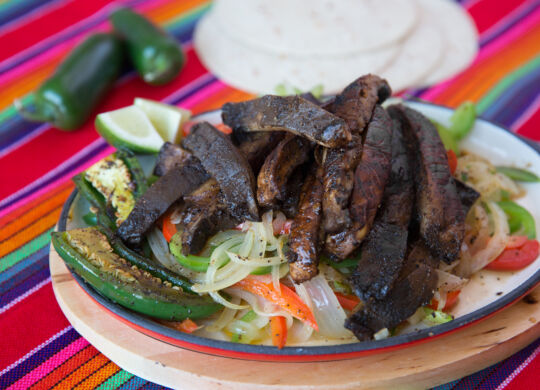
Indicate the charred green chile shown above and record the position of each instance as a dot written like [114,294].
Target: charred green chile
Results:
[69,96]
[156,55]
[125,284]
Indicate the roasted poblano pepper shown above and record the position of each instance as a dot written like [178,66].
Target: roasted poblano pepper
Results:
[111,186]
[70,95]
[88,253]
[156,55]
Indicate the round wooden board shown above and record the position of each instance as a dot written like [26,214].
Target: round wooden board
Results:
[421,366]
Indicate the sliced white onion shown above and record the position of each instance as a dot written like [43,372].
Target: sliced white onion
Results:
[329,314]
[161,252]
[241,273]
[255,262]
[226,316]
[219,299]
[449,282]
[497,243]
[275,278]
[247,331]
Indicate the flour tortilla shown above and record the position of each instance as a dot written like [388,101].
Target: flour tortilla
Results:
[315,27]
[419,55]
[460,38]
[258,71]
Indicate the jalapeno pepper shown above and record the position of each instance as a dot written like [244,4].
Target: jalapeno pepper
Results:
[69,96]
[143,262]
[519,219]
[125,168]
[115,278]
[156,55]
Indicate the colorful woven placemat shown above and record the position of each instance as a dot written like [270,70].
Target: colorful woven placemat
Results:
[39,348]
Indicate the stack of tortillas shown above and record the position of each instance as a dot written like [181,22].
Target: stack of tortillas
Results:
[255,45]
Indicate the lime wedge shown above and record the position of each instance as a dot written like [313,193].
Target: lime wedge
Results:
[167,119]
[129,127]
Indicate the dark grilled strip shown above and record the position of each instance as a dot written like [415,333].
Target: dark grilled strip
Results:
[204,214]
[338,182]
[356,103]
[383,250]
[370,180]
[304,240]
[440,213]
[414,288]
[228,166]
[290,113]
[256,146]
[169,188]
[278,167]
[170,155]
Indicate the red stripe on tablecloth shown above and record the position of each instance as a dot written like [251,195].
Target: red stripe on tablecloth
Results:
[486,15]
[48,24]
[46,321]
[55,146]
[526,376]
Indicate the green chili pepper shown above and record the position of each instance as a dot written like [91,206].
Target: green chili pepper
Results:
[195,263]
[156,55]
[461,123]
[136,185]
[135,169]
[518,174]
[120,281]
[90,219]
[519,219]
[347,263]
[70,95]
[462,120]
[144,263]
[95,199]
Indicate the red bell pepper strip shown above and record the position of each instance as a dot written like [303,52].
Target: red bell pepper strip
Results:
[278,327]
[516,258]
[287,299]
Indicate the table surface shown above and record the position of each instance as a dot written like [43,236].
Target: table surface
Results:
[39,346]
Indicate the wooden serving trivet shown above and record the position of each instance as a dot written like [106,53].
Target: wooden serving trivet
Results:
[425,365]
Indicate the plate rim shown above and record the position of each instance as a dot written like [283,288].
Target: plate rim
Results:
[307,353]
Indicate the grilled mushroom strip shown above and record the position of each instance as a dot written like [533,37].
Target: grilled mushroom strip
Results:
[278,167]
[383,251]
[290,113]
[170,156]
[256,146]
[228,166]
[414,288]
[169,188]
[441,216]
[356,102]
[304,240]
[370,180]
[204,214]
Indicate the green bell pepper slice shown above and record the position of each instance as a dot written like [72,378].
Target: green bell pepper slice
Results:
[122,282]
[519,219]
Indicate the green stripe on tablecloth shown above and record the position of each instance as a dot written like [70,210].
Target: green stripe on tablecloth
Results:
[116,380]
[506,83]
[26,250]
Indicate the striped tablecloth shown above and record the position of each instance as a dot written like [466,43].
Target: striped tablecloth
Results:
[38,347]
